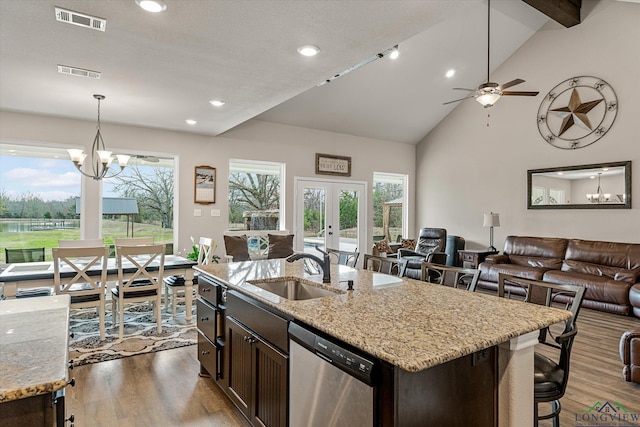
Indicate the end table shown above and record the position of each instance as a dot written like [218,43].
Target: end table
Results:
[474,258]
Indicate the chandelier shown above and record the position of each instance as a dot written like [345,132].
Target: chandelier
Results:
[598,196]
[100,158]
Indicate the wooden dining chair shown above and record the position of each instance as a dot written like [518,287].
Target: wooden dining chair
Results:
[551,374]
[81,243]
[174,286]
[85,290]
[141,285]
[454,277]
[386,265]
[348,258]
[132,241]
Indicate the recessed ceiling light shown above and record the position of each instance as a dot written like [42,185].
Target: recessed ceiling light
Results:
[450,73]
[559,173]
[394,52]
[216,103]
[308,50]
[154,6]
[191,122]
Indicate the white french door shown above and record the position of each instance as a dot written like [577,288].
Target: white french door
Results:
[330,214]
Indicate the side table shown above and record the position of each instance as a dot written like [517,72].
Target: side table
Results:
[473,259]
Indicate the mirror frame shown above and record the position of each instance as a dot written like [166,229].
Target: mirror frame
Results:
[627,185]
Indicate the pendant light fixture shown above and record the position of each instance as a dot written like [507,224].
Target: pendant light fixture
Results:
[100,158]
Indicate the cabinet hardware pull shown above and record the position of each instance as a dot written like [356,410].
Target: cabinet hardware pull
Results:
[204,319]
[72,383]
[205,352]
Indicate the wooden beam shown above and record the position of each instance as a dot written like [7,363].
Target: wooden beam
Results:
[566,12]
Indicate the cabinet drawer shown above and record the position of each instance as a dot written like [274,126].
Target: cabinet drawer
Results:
[207,320]
[268,325]
[468,257]
[208,356]
[210,291]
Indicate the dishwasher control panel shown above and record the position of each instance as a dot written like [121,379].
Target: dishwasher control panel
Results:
[356,365]
[360,366]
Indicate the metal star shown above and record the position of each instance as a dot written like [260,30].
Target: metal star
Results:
[575,113]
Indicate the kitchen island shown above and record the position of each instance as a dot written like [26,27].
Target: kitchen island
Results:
[34,345]
[410,325]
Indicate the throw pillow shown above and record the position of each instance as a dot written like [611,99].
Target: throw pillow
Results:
[408,244]
[382,246]
[280,246]
[236,246]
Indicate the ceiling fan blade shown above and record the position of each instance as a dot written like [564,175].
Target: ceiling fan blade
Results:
[456,100]
[511,83]
[516,93]
[463,88]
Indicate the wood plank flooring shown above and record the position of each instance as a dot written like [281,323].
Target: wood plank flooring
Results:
[164,389]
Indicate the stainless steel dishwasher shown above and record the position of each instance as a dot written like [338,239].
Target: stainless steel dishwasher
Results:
[329,386]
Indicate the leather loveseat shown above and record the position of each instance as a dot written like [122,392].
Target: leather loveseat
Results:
[607,270]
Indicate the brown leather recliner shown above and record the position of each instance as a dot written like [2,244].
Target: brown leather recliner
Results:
[429,247]
[630,355]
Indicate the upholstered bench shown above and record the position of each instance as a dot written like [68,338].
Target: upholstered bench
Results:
[630,355]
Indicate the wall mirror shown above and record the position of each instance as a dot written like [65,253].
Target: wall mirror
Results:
[597,186]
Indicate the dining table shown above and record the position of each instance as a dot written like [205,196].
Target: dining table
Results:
[39,274]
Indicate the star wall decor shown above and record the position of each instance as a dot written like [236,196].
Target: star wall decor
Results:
[577,112]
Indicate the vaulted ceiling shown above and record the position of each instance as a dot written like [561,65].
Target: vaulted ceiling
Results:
[159,69]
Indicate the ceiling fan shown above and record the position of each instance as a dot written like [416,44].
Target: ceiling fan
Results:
[489,93]
[150,159]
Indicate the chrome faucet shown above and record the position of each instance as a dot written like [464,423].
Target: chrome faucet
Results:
[325,263]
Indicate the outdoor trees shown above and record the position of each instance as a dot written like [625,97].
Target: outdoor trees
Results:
[153,189]
[252,192]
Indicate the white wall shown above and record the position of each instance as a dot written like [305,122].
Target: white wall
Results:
[465,168]
[254,140]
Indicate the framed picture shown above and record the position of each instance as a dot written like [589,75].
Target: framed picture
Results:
[328,164]
[205,185]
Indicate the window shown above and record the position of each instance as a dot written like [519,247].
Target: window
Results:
[255,195]
[39,186]
[389,206]
[139,201]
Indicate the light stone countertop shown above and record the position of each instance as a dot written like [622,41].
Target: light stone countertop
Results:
[411,324]
[34,346]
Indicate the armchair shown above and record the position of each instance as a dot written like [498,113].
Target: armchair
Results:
[429,247]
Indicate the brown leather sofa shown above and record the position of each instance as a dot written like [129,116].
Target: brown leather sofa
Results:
[607,270]
[630,355]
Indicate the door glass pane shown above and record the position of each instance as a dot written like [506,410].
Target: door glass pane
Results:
[388,206]
[348,231]
[315,200]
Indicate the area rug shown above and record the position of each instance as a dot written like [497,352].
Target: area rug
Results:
[140,335]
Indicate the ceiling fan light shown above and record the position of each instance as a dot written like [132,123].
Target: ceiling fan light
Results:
[488,99]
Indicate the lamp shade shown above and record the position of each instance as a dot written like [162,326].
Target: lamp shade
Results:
[491,220]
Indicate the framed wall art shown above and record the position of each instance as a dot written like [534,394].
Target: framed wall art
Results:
[205,185]
[328,164]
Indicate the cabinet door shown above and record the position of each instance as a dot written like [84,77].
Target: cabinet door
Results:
[270,385]
[238,365]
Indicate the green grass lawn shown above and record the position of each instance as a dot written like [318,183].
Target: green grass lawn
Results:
[49,238]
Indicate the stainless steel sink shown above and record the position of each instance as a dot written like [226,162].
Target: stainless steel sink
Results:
[293,289]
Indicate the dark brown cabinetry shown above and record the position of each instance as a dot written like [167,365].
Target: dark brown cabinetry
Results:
[211,309]
[256,361]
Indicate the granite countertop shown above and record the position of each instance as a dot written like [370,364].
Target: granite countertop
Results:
[34,346]
[411,324]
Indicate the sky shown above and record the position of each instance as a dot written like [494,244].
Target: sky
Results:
[51,179]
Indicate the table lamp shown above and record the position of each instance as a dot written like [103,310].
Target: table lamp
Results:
[491,220]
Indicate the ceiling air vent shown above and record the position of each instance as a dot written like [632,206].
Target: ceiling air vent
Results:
[81,72]
[80,19]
